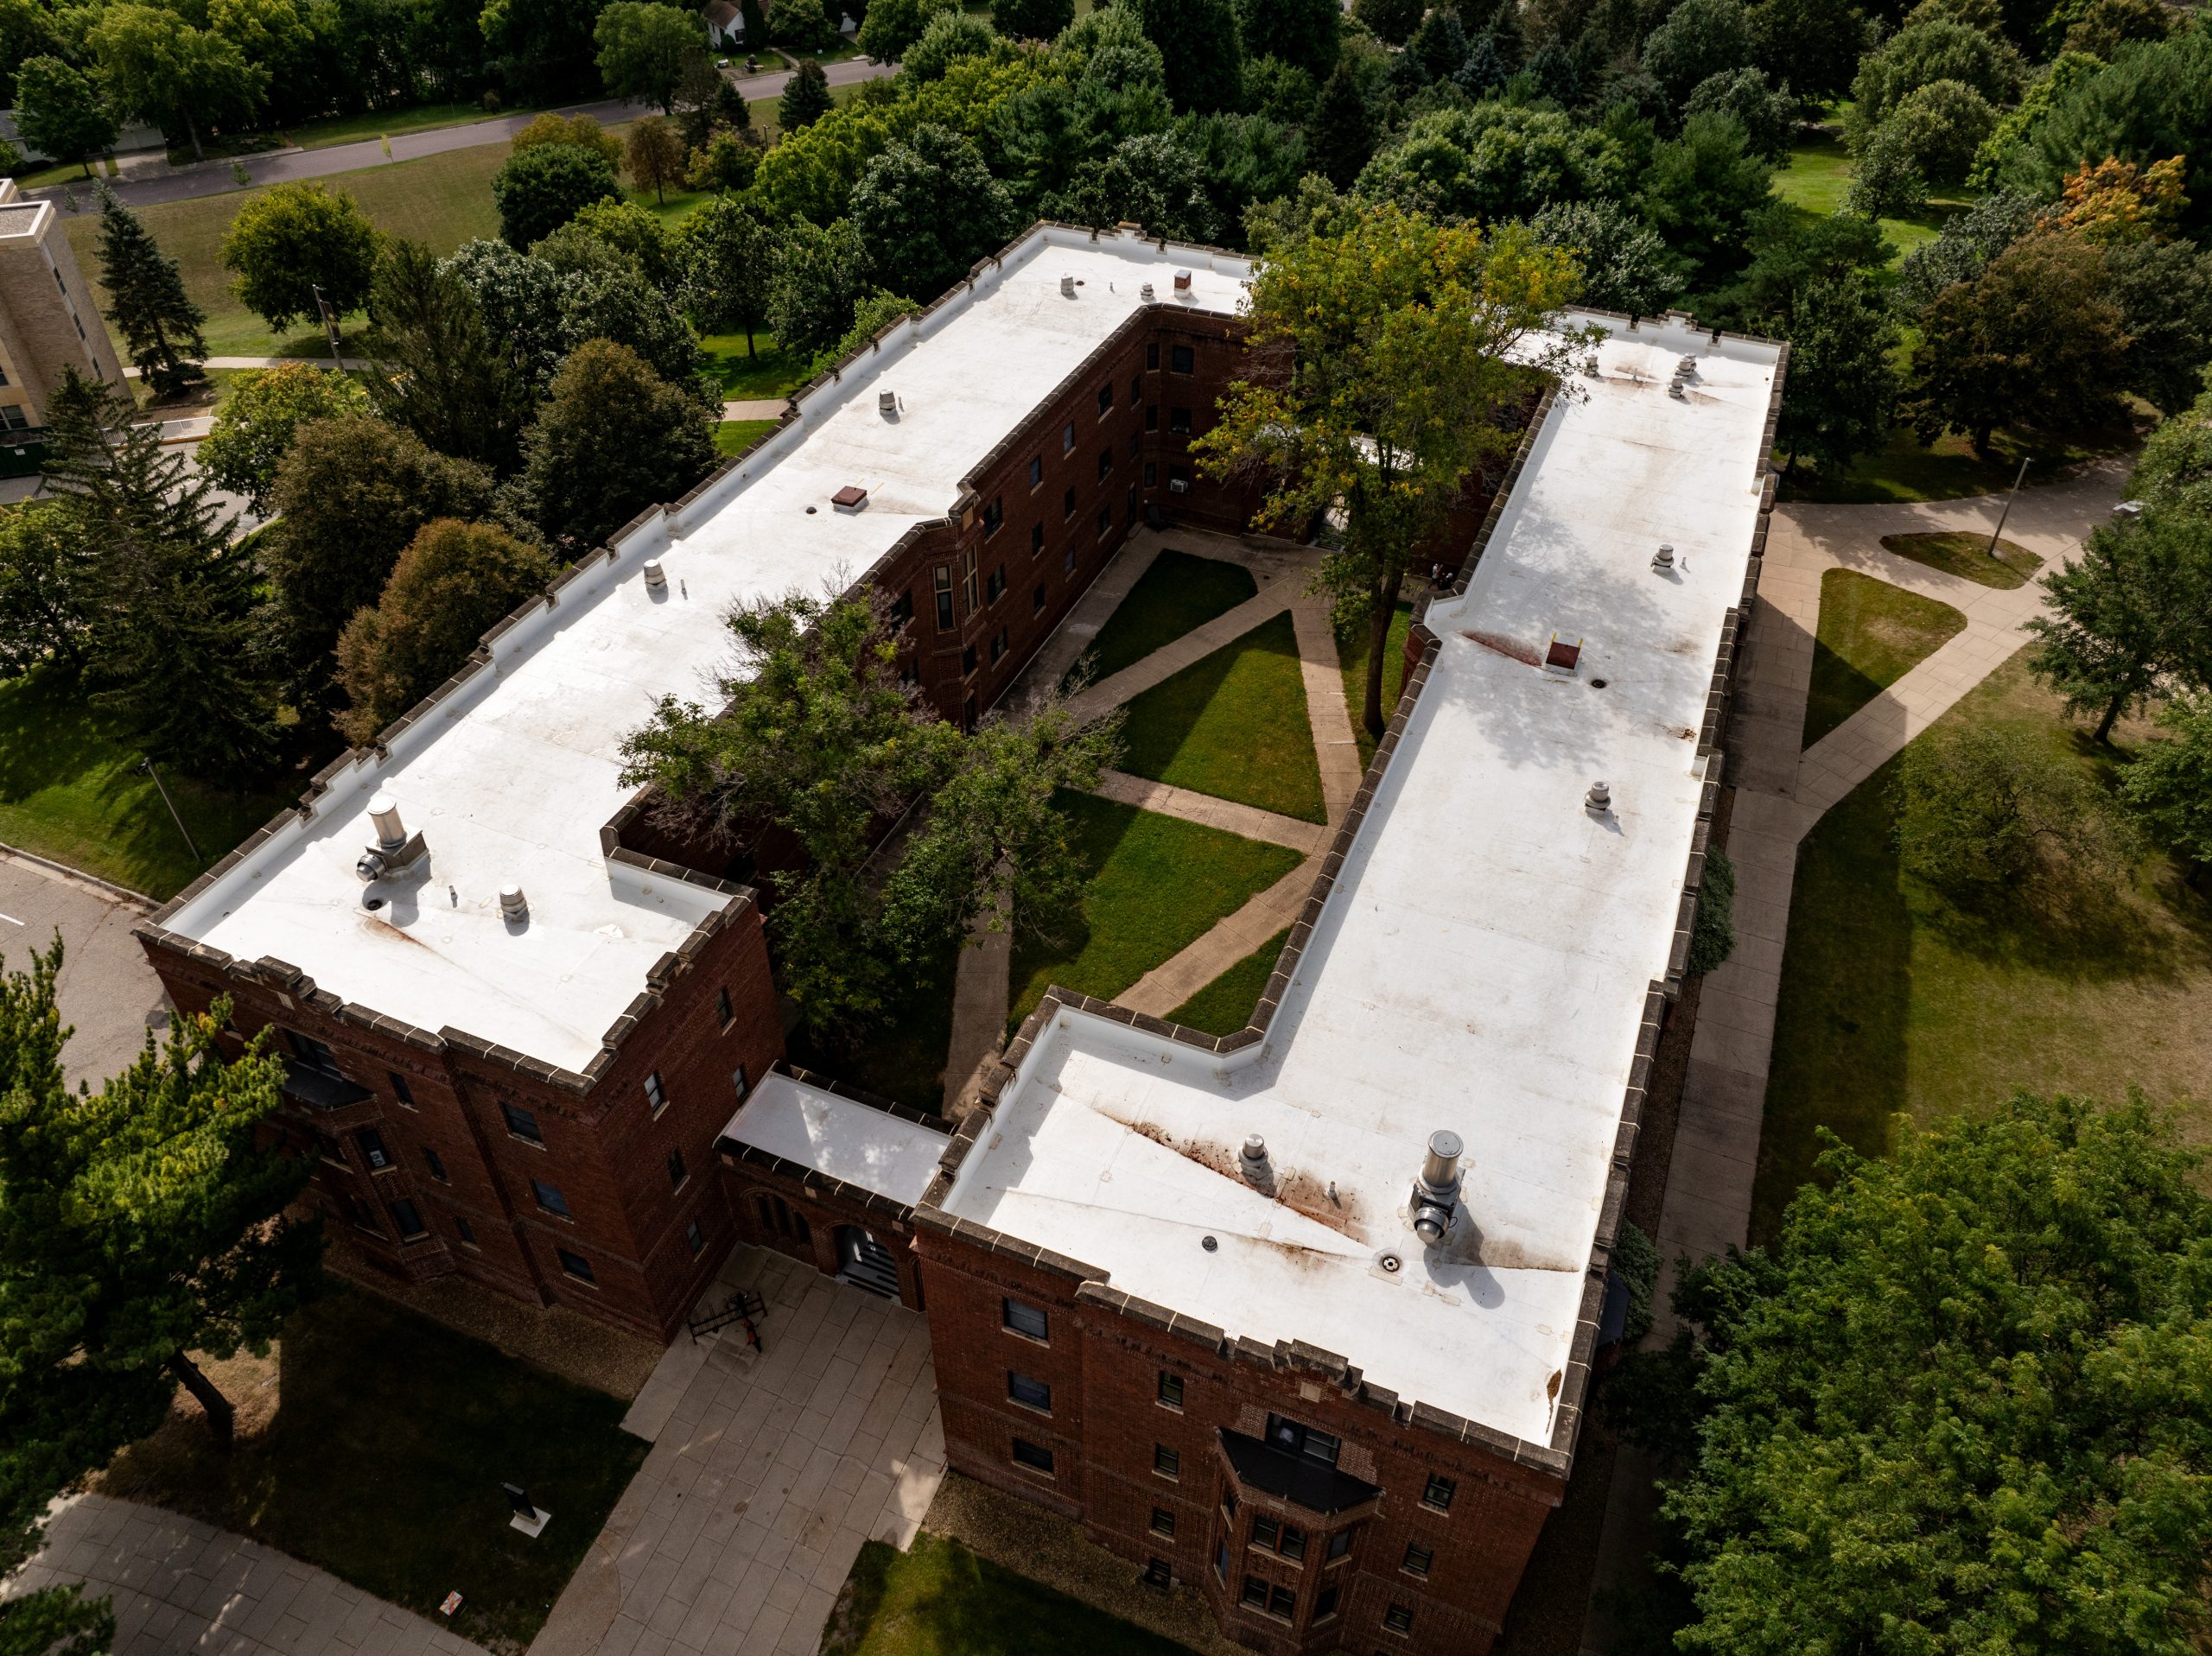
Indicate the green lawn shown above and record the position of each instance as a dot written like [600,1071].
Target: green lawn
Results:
[1968,555]
[62,172]
[383,1459]
[1156,885]
[1233,725]
[1177,594]
[735,436]
[1895,1001]
[71,790]
[941,1600]
[1819,175]
[1905,469]
[1871,635]
[767,371]
[390,124]
[1351,651]
[1226,1004]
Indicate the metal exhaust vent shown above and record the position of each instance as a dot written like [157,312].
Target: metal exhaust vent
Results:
[1436,1192]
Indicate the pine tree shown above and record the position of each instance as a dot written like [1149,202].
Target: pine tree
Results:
[805,99]
[147,299]
[1343,129]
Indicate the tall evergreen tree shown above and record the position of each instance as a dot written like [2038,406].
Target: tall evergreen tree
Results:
[146,298]
[177,648]
[805,99]
[440,373]
[1198,38]
[1343,133]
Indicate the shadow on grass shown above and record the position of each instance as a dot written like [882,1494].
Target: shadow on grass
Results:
[1905,469]
[1871,635]
[1233,725]
[1176,594]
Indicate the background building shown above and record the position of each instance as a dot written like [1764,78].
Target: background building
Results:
[49,319]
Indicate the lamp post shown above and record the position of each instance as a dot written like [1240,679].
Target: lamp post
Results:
[147,765]
[2018,478]
[329,322]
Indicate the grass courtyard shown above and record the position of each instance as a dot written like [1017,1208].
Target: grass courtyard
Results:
[1871,635]
[1895,1000]
[1233,725]
[1351,652]
[1226,1004]
[1176,593]
[1968,556]
[1156,884]
[373,1443]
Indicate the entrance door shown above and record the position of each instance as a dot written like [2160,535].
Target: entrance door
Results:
[866,1263]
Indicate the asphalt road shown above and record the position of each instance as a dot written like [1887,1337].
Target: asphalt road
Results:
[214,178]
[106,988]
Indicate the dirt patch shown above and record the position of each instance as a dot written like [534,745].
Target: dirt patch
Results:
[1300,1192]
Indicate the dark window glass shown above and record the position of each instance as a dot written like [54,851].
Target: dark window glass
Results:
[1105,522]
[373,1149]
[1151,473]
[1439,1493]
[902,609]
[1024,1319]
[401,1090]
[1227,1502]
[968,658]
[1221,1562]
[802,1229]
[1281,1600]
[522,1123]
[1294,1438]
[1398,1619]
[1324,1603]
[994,585]
[1293,1542]
[1152,356]
[1136,392]
[1163,1521]
[1105,397]
[313,1053]
[1034,1393]
[994,516]
[1036,539]
[722,1007]
[1168,1463]
[656,1095]
[1036,599]
[1179,420]
[941,579]
[1171,1389]
[1136,444]
[738,1083]
[1105,462]
[1152,416]
[333,1149]
[467,1231]
[549,1197]
[1255,1592]
[1180,359]
[409,1218]
[695,1237]
[575,1264]
[1031,1456]
[437,1167]
[1067,437]
[675,1173]
[1036,471]
[1340,1544]
[1067,561]
[1067,504]
[1158,1573]
[1264,1531]
[1418,1560]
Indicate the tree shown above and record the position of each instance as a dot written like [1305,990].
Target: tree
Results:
[819,738]
[1969,240]
[1625,264]
[819,275]
[611,439]
[699,98]
[438,372]
[45,599]
[622,306]
[2116,200]
[2153,101]
[523,301]
[801,26]
[1032,20]
[727,166]
[1493,162]
[2107,25]
[874,313]
[1379,384]
[726,252]
[57,1622]
[1713,932]
[1938,128]
[950,36]
[891,27]
[1156,180]
[146,299]
[253,428]
[1984,810]
[577,131]
[2169,786]
[59,110]
[541,187]
[1434,52]
[1814,45]
[159,66]
[291,239]
[645,243]
[654,154]
[2030,341]
[1701,191]
[2175,469]
[1842,392]
[350,496]
[641,48]
[141,1224]
[177,648]
[1344,130]
[1301,33]
[452,584]
[1700,38]
[1921,54]
[2164,290]
[1951,1407]
[1392,21]
[806,97]
[1886,183]
[1198,40]
[1768,113]
[2131,614]
[926,210]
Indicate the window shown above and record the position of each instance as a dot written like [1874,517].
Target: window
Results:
[656,1095]
[373,1149]
[967,579]
[967,706]
[467,1231]
[312,1053]
[1136,444]
[1439,1493]
[1029,1392]
[1221,1562]
[1036,539]
[1036,599]
[1294,1439]
[1152,356]
[409,1218]
[994,585]
[722,1010]
[1024,1320]
[1180,360]
[1105,463]
[1228,1503]
[902,610]
[1158,1573]
[1271,1535]
[1036,471]
[1168,1463]
[1067,504]
[1324,1603]
[333,1150]
[1106,399]
[522,1123]
[967,658]
[782,1220]
[1171,1389]
[1293,1543]
[1000,645]
[694,1237]
[1031,1456]
[1136,392]
[1398,1619]
[1067,437]
[1067,561]
[400,1090]
[1178,479]
[431,1159]
[675,1173]
[1132,505]
[1105,522]
[940,581]
[1282,1601]
[365,1216]
[1178,421]
[575,1264]
[1150,475]
[1152,416]
[1264,1531]
[1255,1592]
[549,1198]
[1339,1545]
[738,1083]
[994,516]
[1163,1522]
[1417,1560]
[13,416]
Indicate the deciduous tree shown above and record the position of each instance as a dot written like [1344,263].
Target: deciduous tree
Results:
[1921,54]
[146,299]
[2131,613]
[252,430]
[642,46]
[1032,20]
[927,209]
[2170,784]
[726,252]
[1301,33]
[1379,384]
[162,68]
[820,274]
[46,588]
[579,131]
[890,28]
[1624,263]
[61,109]
[654,153]
[1700,38]
[291,239]
[541,187]
[611,439]
[1841,392]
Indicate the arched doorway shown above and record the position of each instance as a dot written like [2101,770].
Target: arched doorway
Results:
[866,1263]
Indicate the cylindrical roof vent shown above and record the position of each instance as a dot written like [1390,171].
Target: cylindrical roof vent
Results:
[1253,1159]
[1436,1192]
[1598,800]
[886,402]
[1067,287]
[656,577]
[383,811]
[1440,1168]
[513,905]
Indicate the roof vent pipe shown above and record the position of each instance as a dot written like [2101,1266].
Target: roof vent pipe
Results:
[656,577]
[886,402]
[383,811]
[1145,293]
[1436,1193]
[1067,287]
[1253,1160]
[395,849]
[513,905]
[1599,800]
[1663,559]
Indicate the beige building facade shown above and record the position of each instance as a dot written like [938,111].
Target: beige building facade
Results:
[49,320]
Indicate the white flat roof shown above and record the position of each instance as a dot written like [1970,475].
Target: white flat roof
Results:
[512,775]
[839,1138]
[1482,963]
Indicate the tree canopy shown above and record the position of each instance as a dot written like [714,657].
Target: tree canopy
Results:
[252,430]
[290,239]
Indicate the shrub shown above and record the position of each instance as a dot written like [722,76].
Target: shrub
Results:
[2169,785]
[579,131]
[1712,933]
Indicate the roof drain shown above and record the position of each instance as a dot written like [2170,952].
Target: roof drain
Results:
[1436,1192]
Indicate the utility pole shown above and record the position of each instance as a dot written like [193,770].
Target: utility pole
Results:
[147,765]
[329,322]
[2017,479]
